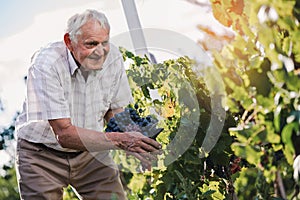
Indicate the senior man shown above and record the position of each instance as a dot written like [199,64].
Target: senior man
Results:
[73,87]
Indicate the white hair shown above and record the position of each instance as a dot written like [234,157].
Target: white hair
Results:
[78,20]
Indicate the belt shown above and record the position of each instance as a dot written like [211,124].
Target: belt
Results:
[53,151]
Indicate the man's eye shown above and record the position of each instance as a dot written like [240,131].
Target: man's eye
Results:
[92,44]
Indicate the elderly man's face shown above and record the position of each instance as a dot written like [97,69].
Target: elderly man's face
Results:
[92,45]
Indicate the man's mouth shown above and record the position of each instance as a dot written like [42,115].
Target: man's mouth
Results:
[95,57]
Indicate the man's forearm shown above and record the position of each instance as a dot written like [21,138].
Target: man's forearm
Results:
[73,137]
[92,140]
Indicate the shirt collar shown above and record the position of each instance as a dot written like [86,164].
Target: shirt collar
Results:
[72,64]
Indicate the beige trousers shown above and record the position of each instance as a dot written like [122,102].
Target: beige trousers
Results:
[43,172]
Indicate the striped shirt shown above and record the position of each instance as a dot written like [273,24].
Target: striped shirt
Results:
[56,89]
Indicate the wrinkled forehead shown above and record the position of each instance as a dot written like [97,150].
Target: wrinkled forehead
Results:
[93,28]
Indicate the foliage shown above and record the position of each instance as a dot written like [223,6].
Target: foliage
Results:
[8,184]
[182,96]
[260,70]
[69,194]
[260,67]
[8,180]
[6,136]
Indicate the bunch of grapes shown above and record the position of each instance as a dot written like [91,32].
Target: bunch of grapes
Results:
[130,120]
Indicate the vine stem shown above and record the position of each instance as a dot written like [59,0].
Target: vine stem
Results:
[280,184]
[251,116]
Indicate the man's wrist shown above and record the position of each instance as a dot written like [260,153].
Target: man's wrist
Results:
[113,137]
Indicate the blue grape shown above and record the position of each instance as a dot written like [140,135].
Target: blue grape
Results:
[130,120]
[136,106]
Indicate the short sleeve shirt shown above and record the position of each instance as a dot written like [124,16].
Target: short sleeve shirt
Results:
[56,89]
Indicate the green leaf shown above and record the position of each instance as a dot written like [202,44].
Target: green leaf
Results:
[266,102]
[286,45]
[287,132]
[286,23]
[293,82]
[208,193]
[138,60]
[129,54]
[180,176]
[247,152]
[271,136]
[277,118]
[146,91]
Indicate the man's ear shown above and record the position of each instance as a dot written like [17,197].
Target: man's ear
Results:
[68,41]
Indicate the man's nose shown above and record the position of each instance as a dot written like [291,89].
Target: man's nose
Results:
[99,49]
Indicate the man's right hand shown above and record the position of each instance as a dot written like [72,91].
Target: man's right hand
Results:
[136,144]
[133,142]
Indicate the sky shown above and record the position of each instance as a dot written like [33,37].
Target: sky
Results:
[28,25]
